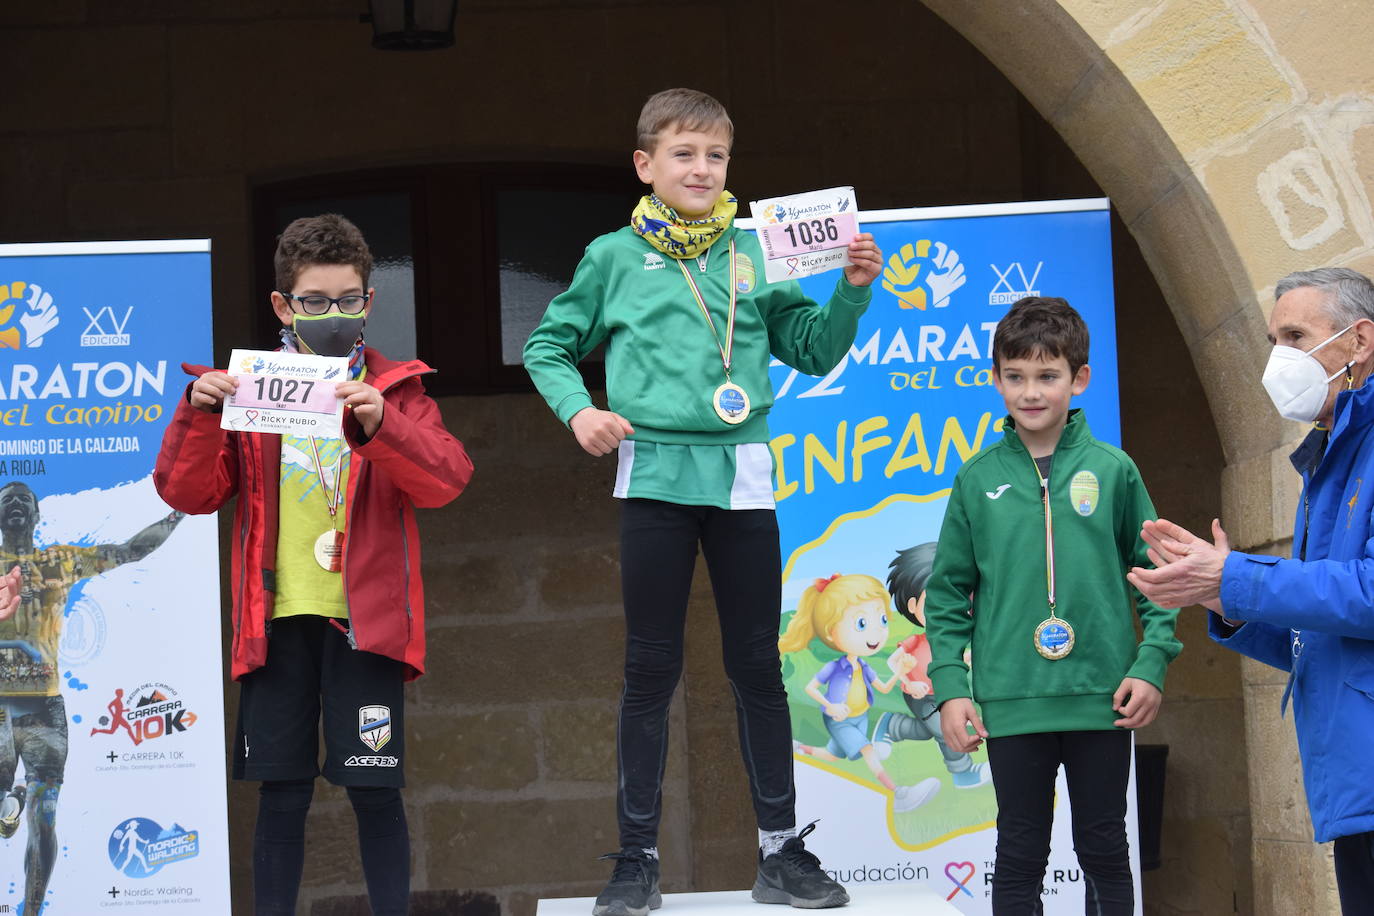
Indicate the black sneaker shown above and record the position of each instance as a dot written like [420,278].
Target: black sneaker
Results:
[794,876]
[633,888]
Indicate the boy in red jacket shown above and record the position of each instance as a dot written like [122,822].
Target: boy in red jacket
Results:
[328,602]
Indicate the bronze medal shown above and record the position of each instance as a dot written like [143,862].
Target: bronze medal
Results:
[329,545]
[329,550]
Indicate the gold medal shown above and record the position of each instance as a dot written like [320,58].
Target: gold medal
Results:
[731,403]
[329,550]
[329,545]
[1054,637]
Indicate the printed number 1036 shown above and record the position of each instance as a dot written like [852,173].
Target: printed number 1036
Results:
[812,232]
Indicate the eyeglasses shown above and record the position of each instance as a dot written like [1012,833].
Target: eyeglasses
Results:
[318,305]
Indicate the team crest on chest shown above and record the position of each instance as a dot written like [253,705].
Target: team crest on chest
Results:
[745,276]
[1084,493]
[374,726]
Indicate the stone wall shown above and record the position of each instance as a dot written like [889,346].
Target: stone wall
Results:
[158,118]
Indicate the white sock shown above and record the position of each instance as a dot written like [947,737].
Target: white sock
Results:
[770,841]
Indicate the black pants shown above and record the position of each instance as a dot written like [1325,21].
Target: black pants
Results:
[279,846]
[1355,872]
[1097,765]
[658,548]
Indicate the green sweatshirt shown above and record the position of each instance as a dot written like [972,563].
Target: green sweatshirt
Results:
[992,546]
[662,364]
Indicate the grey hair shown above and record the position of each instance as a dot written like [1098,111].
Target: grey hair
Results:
[1350,294]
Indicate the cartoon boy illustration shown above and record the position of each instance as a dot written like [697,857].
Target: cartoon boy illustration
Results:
[849,614]
[906,581]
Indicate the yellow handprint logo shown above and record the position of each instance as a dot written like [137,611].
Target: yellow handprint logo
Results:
[9,334]
[37,318]
[902,275]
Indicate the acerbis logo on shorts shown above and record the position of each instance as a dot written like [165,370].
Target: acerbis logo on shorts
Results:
[372,760]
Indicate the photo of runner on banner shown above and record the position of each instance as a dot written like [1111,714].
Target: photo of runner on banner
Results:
[805,234]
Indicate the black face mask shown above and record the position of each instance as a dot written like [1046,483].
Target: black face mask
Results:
[328,335]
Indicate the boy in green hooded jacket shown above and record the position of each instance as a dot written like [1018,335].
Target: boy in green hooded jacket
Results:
[1040,530]
[690,328]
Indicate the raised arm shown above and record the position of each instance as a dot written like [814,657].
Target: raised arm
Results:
[197,467]
[140,545]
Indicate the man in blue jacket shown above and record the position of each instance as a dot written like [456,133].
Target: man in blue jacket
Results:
[1312,615]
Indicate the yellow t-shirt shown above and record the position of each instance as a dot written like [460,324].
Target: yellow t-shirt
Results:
[303,585]
[858,692]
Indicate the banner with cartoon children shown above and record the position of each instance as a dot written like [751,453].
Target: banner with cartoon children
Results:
[111,725]
[864,458]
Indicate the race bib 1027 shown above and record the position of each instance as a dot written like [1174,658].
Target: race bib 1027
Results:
[290,393]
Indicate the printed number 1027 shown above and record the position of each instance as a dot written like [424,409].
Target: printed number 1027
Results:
[283,390]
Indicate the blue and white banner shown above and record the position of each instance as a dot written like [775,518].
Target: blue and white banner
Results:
[112,781]
[864,458]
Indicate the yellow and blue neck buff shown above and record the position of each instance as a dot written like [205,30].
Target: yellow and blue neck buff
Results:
[660,226]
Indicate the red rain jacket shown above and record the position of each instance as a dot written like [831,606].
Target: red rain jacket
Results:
[412,461]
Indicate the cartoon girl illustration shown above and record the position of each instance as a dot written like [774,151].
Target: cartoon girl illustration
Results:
[849,614]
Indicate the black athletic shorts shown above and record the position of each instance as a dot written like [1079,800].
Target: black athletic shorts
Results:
[311,669]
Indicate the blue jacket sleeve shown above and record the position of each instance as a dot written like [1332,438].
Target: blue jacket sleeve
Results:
[1261,641]
[1330,596]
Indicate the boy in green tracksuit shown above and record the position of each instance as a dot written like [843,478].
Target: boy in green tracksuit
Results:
[679,298]
[1040,529]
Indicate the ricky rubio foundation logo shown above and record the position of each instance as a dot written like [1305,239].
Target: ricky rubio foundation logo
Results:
[152,710]
[961,873]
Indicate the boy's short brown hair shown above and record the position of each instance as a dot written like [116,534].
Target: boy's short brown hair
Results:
[325,239]
[1041,326]
[688,109]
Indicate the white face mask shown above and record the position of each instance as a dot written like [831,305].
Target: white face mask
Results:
[1297,383]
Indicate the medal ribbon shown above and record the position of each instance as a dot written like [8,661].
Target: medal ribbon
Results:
[1049,539]
[727,349]
[331,500]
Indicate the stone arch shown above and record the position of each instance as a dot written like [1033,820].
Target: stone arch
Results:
[1236,140]
[1110,125]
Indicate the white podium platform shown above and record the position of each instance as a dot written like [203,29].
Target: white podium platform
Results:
[864,900]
